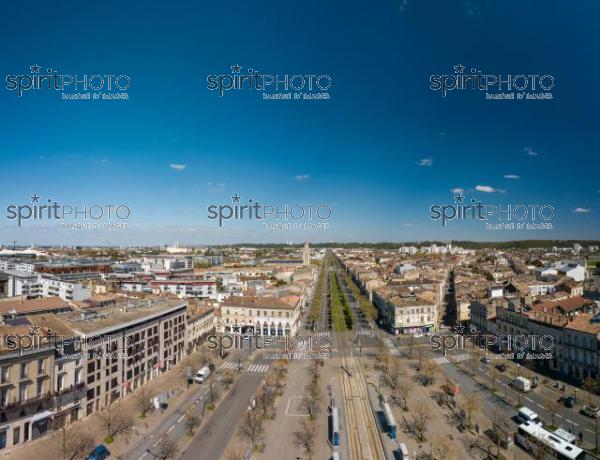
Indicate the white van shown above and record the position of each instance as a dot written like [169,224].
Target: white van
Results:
[202,374]
[522,384]
[527,415]
[403,451]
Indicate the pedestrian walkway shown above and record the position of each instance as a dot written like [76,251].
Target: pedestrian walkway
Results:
[451,359]
[255,368]
[230,365]
[258,368]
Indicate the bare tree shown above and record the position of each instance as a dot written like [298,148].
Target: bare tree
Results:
[192,419]
[552,406]
[74,442]
[234,453]
[420,420]
[306,436]
[265,399]
[591,386]
[494,375]
[227,378]
[114,421]
[428,373]
[471,405]
[311,402]
[314,370]
[251,427]
[411,344]
[391,373]
[143,400]
[401,393]
[383,356]
[167,448]
[443,449]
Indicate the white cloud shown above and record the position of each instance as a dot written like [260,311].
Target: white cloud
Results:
[512,176]
[458,190]
[302,177]
[488,189]
[530,152]
[214,188]
[425,162]
[581,210]
[177,166]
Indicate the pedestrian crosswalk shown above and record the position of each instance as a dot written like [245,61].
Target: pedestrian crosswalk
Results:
[230,365]
[320,334]
[441,360]
[255,368]
[258,368]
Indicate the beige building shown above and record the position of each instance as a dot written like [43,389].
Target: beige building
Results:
[275,316]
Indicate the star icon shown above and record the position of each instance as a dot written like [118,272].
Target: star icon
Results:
[35,198]
[235,198]
[34,329]
[459,68]
[459,198]
[35,68]
[236,68]
[459,329]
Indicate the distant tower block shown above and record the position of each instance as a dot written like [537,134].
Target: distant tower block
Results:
[306,254]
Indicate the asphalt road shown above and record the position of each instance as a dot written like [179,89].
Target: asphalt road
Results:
[211,441]
[568,418]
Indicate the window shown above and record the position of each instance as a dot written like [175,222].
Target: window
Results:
[39,388]
[16,435]
[41,369]
[22,391]
[5,374]
[3,397]
[59,383]
[78,376]
[23,370]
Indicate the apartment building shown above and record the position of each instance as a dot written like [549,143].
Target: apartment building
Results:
[26,390]
[131,343]
[185,288]
[404,312]
[200,323]
[274,316]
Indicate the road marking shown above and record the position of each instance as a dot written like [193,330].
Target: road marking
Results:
[530,400]
[558,415]
[539,405]
[156,443]
[170,429]
[572,422]
[142,456]
[180,418]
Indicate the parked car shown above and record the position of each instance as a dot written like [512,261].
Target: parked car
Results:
[486,360]
[569,401]
[591,411]
[99,453]
[501,367]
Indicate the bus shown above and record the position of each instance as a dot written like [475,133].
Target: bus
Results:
[335,427]
[390,421]
[532,436]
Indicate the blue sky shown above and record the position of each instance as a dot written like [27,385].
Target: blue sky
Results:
[380,152]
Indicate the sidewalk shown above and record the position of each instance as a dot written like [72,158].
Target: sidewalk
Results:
[279,433]
[171,382]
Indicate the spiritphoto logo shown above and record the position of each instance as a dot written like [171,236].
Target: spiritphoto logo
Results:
[50,209]
[287,216]
[519,216]
[272,86]
[71,86]
[524,346]
[496,86]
